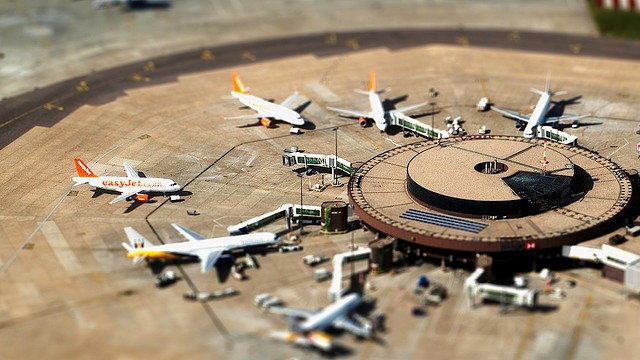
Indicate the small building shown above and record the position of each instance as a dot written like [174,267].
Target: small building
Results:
[334,217]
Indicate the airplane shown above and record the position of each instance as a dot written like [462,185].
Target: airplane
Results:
[131,185]
[309,331]
[539,115]
[376,109]
[266,110]
[196,246]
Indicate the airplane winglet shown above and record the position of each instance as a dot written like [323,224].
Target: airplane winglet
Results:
[237,83]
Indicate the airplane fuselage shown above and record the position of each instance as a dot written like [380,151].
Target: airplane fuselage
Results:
[268,109]
[190,248]
[328,315]
[126,184]
[376,111]
[538,117]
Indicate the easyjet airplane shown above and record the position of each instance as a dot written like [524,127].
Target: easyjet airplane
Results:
[376,111]
[265,110]
[131,185]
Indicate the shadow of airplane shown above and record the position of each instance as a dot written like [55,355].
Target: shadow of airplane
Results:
[558,107]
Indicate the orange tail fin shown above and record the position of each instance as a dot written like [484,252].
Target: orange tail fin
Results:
[372,80]
[237,84]
[82,168]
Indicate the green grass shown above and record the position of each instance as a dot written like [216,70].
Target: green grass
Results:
[616,23]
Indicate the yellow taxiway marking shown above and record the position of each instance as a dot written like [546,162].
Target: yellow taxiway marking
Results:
[332,39]
[138,77]
[575,48]
[462,41]
[524,339]
[51,106]
[207,55]
[247,55]
[82,86]
[352,44]
[578,329]
[149,66]
[514,36]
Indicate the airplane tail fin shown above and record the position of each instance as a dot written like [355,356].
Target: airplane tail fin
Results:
[82,169]
[237,84]
[136,240]
[547,86]
[372,80]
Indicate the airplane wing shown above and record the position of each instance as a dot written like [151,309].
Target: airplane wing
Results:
[288,101]
[349,324]
[349,112]
[123,196]
[291,312]
[253,116]
[188,234]
[130,171]
[365,92]
[511,114]
[411,107]
[556,119]
[208,258]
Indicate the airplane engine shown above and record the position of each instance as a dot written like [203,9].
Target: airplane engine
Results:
[265,122]
[519,125]
[362,121]
[142,198]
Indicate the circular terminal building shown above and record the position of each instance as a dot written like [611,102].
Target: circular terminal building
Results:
[490,194]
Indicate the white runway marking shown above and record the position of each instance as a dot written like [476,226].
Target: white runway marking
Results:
[618,149]
[61,248]
[322,91]
[393,142]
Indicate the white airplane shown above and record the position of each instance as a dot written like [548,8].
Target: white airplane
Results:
[265,109]
[539,115]
[309,332]
[376,110]
[207,250]
[131,185]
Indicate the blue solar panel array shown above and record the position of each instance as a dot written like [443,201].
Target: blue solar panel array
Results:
[443,220]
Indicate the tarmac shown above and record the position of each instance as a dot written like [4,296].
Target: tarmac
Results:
[63,266]
[67,289]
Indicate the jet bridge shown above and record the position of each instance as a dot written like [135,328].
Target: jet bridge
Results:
[548,132]
[325,161]
[411,124]
[502,294]
[360,262]
[289,211]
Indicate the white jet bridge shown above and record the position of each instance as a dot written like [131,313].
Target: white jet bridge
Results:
[547,132]
[498,293]
[420,128]
[319,160]
[357,257]
[289,211]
